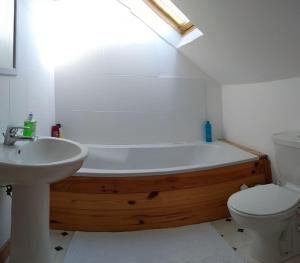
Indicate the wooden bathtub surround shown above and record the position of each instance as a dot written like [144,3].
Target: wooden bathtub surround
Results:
[148,202]
[261,156]
[4,252]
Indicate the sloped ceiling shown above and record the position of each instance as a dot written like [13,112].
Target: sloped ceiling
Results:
[245,41]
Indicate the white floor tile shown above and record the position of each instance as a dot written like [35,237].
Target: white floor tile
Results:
[228,229]
[244,252]
[225,226]
[189,244]
[240,241]
[62,239]
[232,233]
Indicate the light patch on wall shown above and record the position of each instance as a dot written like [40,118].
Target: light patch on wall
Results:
[41,24]
[82,26]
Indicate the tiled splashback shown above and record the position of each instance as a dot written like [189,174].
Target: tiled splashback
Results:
[33,88]
[128,109]
[131,92]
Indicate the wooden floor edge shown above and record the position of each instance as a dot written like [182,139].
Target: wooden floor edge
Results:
[247,149]
[4,252]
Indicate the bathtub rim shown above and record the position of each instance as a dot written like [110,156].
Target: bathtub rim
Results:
[160,145]
[165,171]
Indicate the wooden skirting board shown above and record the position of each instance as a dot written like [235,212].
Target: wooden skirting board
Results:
[149,202]
[4,252]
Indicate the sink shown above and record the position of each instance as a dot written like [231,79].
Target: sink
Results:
[30,167]
[45,160]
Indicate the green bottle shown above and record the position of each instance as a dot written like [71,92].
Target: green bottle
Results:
[30,126]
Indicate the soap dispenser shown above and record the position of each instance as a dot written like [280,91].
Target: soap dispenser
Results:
[30,126]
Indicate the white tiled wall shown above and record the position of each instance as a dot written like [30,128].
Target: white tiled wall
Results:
[254,112]
[131,91]
[32,89]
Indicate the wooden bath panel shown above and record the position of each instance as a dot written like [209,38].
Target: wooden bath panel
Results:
[4,252]
[148,202]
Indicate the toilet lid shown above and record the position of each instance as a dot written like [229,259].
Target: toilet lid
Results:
[264,200]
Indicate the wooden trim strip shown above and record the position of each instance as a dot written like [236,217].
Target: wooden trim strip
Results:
[180,28]
[247,149]
[4,252]
[262,156]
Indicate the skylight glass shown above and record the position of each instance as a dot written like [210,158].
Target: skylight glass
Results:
[171,14]
[173,11]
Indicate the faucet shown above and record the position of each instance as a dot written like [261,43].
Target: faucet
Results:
[10,136]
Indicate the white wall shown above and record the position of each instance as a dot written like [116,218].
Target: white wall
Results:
[253,112]
[214,106]
[135,89]
[245,41]
[32,89]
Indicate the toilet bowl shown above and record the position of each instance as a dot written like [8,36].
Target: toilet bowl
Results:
[271,211]
[268,211]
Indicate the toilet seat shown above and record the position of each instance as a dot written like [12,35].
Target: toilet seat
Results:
[264,200]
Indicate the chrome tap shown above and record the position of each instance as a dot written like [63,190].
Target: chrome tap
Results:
[11,135]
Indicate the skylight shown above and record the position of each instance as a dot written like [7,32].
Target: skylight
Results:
[172,15]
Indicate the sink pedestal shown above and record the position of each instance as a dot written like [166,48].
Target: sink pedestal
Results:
[30,239]
[30,168]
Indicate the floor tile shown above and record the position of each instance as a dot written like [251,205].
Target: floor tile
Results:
[239,239]
[244,252]
[193,244]
[60,241]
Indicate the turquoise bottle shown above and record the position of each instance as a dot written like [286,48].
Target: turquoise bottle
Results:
[208,131]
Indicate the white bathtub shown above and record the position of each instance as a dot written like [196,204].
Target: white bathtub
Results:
[143,160]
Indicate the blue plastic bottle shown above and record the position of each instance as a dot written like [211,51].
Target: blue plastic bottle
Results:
[208,131]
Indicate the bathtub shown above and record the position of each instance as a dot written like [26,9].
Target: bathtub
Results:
[143,160]
[136,187]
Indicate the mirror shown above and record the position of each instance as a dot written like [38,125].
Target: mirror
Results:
[8,37]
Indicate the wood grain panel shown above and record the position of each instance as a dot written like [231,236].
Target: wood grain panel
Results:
[4,252]
[148,202]
[92,185]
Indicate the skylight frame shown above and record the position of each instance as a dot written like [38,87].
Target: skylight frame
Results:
[172,15]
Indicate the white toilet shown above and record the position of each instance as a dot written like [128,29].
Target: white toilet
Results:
[271,211]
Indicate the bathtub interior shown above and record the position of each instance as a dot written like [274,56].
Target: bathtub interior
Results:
[147,157]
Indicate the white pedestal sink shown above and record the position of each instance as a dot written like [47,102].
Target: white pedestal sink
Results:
[30,168]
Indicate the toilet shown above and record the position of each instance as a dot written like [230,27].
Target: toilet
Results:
[271,211]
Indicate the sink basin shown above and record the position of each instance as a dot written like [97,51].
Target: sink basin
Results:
[45,160]
[30,167]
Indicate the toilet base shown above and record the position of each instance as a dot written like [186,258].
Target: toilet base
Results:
[265,247]
[270,247]
[275,239]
